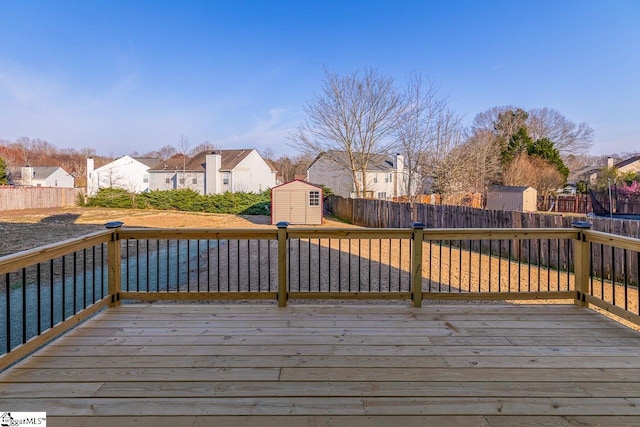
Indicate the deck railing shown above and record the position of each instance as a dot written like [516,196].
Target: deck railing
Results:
[45,291]
[49,290]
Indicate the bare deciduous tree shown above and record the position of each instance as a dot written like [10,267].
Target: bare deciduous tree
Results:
[349,121]
[166,151]
[534,172]
[567,137]
[417,131]
[204,146]
[481,159]
[289,167]
[445,171]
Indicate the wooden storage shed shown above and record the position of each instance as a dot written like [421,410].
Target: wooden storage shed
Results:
[296,202]
[523,199]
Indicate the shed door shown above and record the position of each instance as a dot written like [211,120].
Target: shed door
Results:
[298,207]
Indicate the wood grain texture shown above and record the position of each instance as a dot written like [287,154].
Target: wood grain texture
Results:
[459,365]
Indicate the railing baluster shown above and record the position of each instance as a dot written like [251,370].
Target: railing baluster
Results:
[490,277]
[626,279]
[7,288]
[188,265]
[24,305]
[39,297]
[64,288]
[137,265]
[51,286]
[460,244]
[75,275]
[613,274]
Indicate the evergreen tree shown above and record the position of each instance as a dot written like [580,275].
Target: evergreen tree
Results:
[4,176]
[545,149]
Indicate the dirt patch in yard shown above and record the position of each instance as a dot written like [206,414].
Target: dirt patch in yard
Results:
[27,229]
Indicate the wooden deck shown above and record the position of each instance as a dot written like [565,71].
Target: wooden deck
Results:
[303,365]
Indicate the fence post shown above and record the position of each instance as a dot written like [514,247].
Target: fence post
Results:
[582,254]
[282,263]
[114,267]
[416,264]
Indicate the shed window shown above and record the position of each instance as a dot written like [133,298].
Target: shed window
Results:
[314,198]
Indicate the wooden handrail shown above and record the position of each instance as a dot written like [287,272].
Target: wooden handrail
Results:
[29,257]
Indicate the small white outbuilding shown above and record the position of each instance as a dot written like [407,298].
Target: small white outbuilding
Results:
[523,199]
[296,202]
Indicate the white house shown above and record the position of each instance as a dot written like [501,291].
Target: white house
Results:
[385,176]
[48,176]
[129,173]
[214,172]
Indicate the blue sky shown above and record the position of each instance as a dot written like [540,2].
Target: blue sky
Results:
[120,76]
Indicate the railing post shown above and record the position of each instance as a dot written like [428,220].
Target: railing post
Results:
[114,267]
[582,255]
[416,264]
[282,263]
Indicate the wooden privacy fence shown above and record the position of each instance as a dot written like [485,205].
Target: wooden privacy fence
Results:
[15,198]
[373,213]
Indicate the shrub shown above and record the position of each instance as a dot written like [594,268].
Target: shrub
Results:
[184,200]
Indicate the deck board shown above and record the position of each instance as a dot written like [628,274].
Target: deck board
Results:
[459,365]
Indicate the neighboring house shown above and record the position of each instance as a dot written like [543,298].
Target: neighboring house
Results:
[214,172]
[128,173]
[385,176]
[296,202]
[48,176]
[632,164]
[505,198]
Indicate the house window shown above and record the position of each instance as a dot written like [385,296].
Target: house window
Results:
[390,177]
[167,180]
[225,178]
[382,195]
[375,179]
[194,180]
[386,178]
[145,178]
[182,181]
[314,198]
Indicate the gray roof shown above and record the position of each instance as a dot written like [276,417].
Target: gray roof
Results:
[229,160]
[627,161]
[509,189]
[377,162]
[44,172]
[149,161]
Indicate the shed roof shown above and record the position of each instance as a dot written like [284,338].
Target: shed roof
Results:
[297,181]
[510,189]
